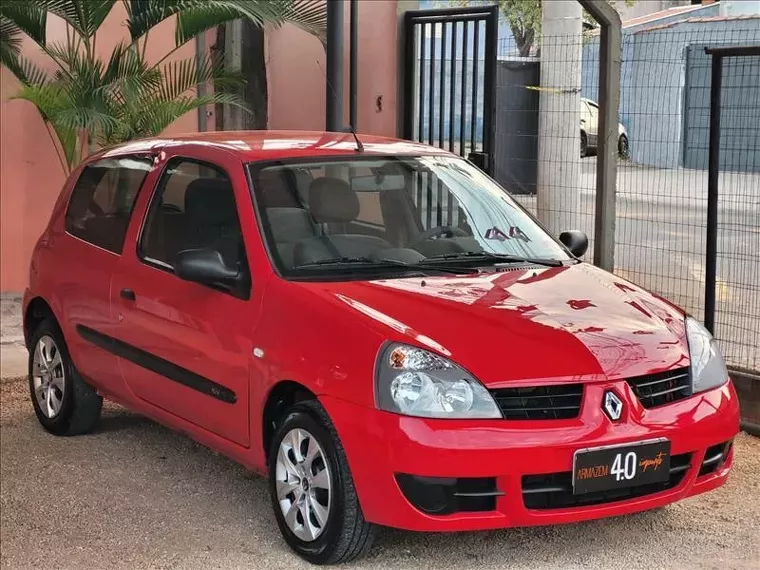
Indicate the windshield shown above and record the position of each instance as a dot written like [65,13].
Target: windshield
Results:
[328,216]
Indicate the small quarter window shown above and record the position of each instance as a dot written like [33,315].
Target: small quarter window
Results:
[102,200]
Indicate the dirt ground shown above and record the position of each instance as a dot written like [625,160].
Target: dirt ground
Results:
[134,495]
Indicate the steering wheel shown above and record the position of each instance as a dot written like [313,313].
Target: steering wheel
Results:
[439,231]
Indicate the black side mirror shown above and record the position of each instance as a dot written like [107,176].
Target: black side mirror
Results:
[574,240]
[206,266]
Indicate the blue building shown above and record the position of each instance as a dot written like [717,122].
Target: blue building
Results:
[665,86]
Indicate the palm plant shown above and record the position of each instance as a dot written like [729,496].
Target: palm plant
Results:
[86,101]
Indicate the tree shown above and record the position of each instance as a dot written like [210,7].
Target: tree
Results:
[87,101]
[524,19]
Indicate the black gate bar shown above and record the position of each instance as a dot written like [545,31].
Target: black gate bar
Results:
[713,170]
[424,91]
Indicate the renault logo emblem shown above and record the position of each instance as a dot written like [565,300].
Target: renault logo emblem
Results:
[613,406]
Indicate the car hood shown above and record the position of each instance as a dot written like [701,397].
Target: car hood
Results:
[573,323]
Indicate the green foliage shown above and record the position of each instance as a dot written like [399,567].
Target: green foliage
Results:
[86,101]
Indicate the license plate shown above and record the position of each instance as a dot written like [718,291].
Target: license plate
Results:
[619,466]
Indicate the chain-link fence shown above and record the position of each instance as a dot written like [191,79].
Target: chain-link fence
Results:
[546,135]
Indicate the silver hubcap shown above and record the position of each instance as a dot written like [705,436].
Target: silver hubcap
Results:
[303,484]
[48,376]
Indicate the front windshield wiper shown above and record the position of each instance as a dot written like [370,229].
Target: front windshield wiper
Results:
[495,257]
[378,263]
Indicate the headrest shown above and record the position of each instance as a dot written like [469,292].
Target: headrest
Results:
[210,202]
[332,200]
[289,225]
[277,188]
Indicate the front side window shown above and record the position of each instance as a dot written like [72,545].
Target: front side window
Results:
[330,217]
[102,200]
[193,208]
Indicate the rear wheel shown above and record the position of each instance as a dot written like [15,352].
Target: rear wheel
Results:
[313,494]
[584,145]
[63,402]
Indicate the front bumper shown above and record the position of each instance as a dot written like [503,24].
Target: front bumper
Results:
[379,445]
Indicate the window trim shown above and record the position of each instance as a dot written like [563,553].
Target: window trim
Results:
[159,188]
[140,156]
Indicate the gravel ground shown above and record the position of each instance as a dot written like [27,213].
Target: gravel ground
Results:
[134,496]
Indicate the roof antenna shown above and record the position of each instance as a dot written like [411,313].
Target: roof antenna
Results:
[350,128]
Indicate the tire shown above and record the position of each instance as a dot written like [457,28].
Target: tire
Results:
[623,149]
[584,145]
[76,406]
[345,534]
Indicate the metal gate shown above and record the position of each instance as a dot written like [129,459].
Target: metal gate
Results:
[450,65]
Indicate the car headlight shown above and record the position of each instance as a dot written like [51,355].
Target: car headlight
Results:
[708,369]
[415,382]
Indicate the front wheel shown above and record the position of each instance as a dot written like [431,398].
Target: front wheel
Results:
[313,494]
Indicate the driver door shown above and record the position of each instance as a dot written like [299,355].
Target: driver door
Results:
[186,347]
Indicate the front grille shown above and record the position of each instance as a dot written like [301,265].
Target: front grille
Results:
[559,402]
[555,490]
[715,456]
[663,388]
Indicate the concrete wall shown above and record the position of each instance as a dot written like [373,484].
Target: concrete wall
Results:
[653,78]
[656,95]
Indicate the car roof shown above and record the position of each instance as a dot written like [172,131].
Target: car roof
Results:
[270,145]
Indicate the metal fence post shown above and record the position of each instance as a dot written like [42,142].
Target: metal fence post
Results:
[713,168]
[610,48]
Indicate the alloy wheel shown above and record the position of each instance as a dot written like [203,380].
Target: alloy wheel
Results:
[302,478]
[48,376]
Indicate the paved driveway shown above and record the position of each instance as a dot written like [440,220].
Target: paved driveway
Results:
[135,496]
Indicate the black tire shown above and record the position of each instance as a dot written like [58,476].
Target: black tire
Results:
[346,535]
[584,145]
[623,149]
[80,404]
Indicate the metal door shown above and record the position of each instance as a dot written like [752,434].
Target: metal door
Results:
[450,64]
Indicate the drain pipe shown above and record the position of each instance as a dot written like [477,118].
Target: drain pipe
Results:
[334,79]
[354,65]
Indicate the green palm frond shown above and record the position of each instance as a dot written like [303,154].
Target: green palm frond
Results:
[50,100]
[309,15]
[179,77]
[84,16]
[10,44]
[30,17]
[195,16]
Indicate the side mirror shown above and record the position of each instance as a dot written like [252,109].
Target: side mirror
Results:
[574,240]
[205,266]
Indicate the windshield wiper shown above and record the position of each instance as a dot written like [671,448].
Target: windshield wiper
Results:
[495,257]
[378,263]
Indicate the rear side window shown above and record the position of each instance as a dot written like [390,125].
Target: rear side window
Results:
[102,201]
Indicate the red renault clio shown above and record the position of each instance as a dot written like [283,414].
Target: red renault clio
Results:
[379,328]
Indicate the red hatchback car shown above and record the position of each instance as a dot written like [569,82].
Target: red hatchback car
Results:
[383,331]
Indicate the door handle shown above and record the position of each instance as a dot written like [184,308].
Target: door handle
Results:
[127,294]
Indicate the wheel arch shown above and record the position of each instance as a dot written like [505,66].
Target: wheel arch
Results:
[37,310]
[282,395]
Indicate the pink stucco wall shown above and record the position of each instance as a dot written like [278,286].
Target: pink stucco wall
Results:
[30,173]
[296,73]
[31,176]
